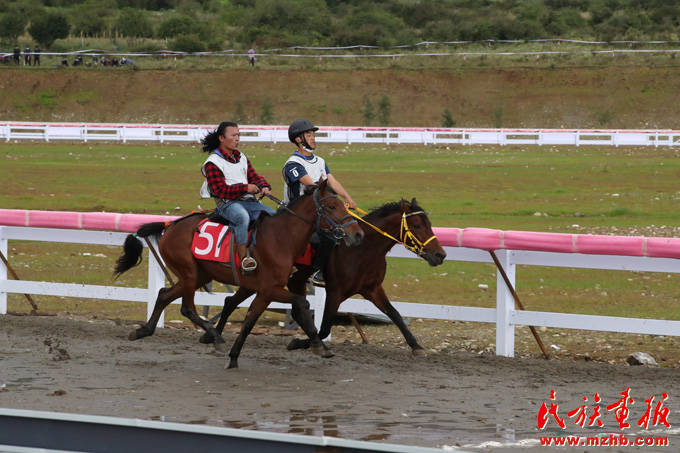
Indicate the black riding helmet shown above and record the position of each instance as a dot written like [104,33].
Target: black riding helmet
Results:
[297,128]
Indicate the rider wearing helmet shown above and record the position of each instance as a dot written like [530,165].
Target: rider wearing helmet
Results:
[304,169]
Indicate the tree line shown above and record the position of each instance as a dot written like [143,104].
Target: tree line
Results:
[201,25]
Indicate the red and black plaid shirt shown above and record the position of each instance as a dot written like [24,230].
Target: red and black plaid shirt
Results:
[220,189]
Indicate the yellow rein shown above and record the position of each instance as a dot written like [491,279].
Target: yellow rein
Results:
[405,233]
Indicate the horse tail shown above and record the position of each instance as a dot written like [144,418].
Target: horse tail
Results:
[154,229]
[133,247]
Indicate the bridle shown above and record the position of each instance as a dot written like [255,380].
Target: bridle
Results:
[406,238]
[336,230]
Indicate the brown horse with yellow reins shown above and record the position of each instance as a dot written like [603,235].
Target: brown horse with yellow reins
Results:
[361,270]
[280,240]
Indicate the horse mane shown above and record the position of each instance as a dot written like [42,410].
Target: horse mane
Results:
[309,190]
[390,208]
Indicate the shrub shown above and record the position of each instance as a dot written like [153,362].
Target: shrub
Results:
[12,25]
[178,25]
[267,113]
[188,43]
[384,111]
[133,23]
[447,119]
[368,113]
[48,27]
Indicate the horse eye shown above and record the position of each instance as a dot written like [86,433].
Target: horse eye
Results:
[332,208]
[417,227]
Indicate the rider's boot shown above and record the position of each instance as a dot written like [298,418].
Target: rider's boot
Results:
[248,263]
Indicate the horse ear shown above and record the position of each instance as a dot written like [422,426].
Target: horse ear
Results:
[404,205]
[323,185]
[414,202]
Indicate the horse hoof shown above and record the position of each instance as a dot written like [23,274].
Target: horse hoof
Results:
[132,336]
[206,339]
[297,343]
[419,352]
[221,347]
[321,351]
[231,364]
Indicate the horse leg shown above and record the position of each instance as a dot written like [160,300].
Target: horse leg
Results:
[165,297]
[256,309]
[189,310]
[298,284]
[331,308]
[230,304]
[303,316]
[379,298]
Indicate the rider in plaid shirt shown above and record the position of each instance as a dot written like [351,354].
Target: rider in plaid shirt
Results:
[218,186]
[232,182]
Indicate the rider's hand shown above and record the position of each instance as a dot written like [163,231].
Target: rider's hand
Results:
[252,188]
[350,202]
[265,191]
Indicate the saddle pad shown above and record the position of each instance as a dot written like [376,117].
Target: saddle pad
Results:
[307,256]
[212,242]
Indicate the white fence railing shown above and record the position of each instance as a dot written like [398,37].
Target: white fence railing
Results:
[399,135]
[504,315]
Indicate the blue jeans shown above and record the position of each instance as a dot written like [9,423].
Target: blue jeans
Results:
[239,215]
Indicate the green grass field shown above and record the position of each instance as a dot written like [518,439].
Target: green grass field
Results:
[613,191]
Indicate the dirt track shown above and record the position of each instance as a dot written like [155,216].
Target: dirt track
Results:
[367,392]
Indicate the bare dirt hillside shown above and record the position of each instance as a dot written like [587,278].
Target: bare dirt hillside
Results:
[592,97]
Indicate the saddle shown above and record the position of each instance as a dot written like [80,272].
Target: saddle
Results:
[214,240]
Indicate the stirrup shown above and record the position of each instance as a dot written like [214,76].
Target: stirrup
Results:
[317,279]
[248,264]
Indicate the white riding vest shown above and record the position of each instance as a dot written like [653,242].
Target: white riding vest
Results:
[234,173]
[316,169]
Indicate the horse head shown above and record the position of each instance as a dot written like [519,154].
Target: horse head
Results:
[333,218]
[417,234]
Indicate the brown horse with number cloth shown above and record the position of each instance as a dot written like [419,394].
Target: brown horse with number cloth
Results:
[280,240]
[361,270]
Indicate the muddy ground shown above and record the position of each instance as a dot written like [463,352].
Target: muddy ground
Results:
[449,399]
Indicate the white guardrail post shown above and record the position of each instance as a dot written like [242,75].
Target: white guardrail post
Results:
[317,302]
[156,283]
[505,305]
[3,272]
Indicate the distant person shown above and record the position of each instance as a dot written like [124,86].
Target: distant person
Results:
[251,57]
[27,56]
[304,169]
[36,56]
[17,55]
[64,61]
[94,60]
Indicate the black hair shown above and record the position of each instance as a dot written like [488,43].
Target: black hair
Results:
[392,207]
[212,140]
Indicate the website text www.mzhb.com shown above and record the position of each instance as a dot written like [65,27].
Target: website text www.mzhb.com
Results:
[613,440]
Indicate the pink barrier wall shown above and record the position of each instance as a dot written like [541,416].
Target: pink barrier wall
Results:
[479,238]
[107,221]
